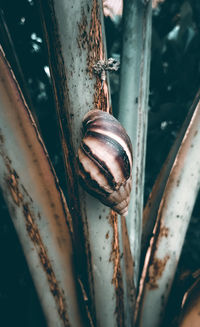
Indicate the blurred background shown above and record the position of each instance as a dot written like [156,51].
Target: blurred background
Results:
[174,81]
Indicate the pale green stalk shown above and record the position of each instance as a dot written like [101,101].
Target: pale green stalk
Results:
[76,41]
[169,233]
[133,111]
[37,206]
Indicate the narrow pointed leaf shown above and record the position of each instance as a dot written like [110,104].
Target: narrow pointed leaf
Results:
[36,205]
[171,226]
[153,203]
[133,110]
[133,106]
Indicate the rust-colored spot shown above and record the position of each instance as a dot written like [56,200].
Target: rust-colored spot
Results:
[107,235]
[12,181]
[117,275]
[155,271]
[34,235]
[164,232]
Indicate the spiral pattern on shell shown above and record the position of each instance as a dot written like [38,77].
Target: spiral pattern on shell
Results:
[105,160]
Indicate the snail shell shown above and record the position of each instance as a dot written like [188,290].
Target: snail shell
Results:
[105,160]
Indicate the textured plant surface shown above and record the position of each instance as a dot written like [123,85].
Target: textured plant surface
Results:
[174,82]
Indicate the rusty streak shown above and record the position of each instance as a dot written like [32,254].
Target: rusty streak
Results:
[95,53]
[95,45]
[33,232]
[35,237]
[12,182]
[129,267]
[156,265]
[117,275]
[12,82]
[19,194]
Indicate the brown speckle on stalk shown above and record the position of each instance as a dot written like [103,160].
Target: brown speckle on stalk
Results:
[164,232]
[107,235]
[155,271]
[82,38]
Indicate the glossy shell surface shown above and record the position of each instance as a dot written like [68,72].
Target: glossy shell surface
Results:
[105,160]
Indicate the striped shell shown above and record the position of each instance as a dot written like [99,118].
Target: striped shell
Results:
[105,160]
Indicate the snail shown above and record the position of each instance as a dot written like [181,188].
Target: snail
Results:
[105,160]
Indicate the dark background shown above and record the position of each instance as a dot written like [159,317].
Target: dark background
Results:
[174,81]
